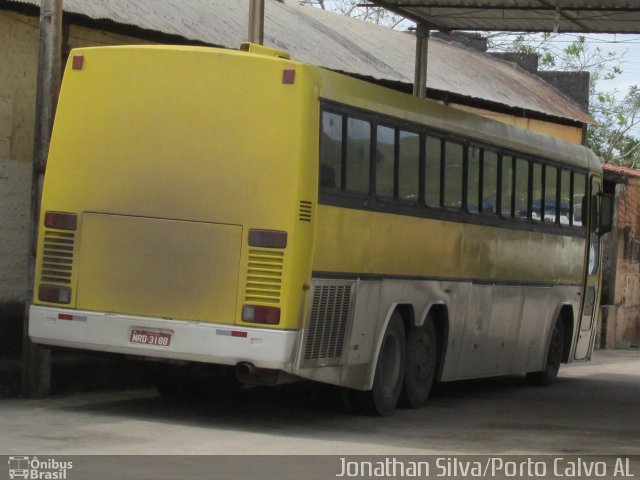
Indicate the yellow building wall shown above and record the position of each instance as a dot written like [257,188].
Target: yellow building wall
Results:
[19,38]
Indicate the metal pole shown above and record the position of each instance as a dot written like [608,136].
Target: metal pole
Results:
[36,360]
[256,21]
[422,49]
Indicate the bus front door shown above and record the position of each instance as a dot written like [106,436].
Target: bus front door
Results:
[591,292]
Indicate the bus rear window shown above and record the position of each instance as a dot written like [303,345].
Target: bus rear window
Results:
[473,179]
[331,151]
[408,165]
[579,182]
[522,189]
[507,186]
[453,164]
[565,196]
[358,156]
[433,166]
[550,190]
[385,161]
[489,182]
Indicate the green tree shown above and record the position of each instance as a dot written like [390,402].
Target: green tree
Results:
[615,137]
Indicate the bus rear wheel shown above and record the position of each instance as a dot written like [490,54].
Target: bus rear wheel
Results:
[421,365]
[388,380]
[547,376]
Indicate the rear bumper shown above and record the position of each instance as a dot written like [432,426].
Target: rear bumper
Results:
[193,341]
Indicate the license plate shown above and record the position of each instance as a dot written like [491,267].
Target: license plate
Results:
[150,337]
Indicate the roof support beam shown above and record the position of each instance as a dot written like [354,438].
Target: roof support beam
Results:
[393,7]
[523,8]
[422,54]
[256,21]
[36,359]
[567,15]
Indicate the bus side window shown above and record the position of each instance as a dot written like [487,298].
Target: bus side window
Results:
[489,182]
[453,163]
[358,156]
[433,169]
[536,192]
[331,151]
[565,197]
[473,179]
[385,161]
[550,188]
[579,183]
[408,165]
[506,191]
[522,189]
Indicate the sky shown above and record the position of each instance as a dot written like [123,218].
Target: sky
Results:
[629,45]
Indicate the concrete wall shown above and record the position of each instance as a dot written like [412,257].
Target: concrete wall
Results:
[19,37]
[621,317]
[19,53]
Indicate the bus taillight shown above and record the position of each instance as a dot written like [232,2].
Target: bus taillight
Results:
[53,294]
[61,221]
[267,238]
[258,314]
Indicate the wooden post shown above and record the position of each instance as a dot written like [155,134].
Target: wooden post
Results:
[36,360]
[422,49]
[256,21]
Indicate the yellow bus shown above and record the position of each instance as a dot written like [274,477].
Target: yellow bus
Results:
[240,209]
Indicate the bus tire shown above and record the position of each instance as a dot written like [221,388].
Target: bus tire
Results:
[388,380]
[547,376]
[420,367]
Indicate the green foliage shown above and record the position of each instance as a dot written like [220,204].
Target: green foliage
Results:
[614,138]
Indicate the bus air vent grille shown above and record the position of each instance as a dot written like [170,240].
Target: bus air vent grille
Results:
[305,211]
[328,323]
[264,276]
[57,257]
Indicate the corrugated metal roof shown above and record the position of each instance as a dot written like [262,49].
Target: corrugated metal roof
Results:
[629,172]
[588,16]
[334,41]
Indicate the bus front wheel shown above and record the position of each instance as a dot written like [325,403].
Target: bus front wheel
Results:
[547,376]
[388,380]
[421,365]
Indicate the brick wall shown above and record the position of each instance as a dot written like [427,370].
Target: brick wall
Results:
[621,319]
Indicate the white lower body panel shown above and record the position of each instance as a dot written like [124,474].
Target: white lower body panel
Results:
[191,341]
